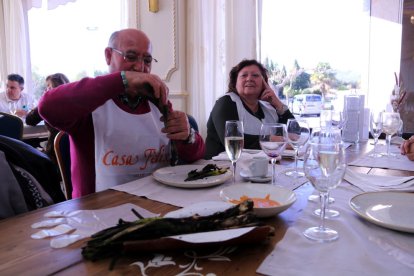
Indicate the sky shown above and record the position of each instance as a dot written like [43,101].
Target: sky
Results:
[334,31]
[72,38]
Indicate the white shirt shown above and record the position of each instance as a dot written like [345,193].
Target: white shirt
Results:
[25,102]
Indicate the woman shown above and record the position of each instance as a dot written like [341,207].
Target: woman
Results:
[33,117]
[250,99]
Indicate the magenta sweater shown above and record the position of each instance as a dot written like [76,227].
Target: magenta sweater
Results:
[69,108]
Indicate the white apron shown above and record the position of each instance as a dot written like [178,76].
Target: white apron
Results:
[251,123]
[127,146]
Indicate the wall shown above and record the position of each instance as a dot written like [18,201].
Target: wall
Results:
[165,29]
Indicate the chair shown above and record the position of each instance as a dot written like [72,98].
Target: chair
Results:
[11,126]
[192,121]
[62,151]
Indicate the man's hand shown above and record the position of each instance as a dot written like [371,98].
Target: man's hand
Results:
[407,148]
[149,85]
[177,127]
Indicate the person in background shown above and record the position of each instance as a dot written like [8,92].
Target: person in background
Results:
[33,118]
[14,100]
[249,99]
[121,125]
[407,148]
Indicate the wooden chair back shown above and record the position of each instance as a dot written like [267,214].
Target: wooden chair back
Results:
[62,151]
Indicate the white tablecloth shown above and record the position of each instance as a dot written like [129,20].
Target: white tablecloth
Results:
[180,197]
[362,248]
[399,162]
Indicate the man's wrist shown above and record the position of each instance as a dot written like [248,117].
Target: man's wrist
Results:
[191,137]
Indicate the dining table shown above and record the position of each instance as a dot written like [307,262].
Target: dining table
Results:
[35,132]
[360,250]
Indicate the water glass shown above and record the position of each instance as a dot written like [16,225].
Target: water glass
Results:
[298,134]
[390,125]
[375,127]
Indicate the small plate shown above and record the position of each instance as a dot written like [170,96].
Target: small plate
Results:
[174,176]
[282,195]
[393,210]
[245,175]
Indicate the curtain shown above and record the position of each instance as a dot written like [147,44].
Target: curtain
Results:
[14,53]
[220,34]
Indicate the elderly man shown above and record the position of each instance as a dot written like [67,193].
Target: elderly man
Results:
[116,134]
[14,100]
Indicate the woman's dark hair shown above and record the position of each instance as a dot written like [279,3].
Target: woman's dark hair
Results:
[57,79]
[236,69]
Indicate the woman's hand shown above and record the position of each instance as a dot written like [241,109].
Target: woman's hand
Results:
[269,95]
[407,148]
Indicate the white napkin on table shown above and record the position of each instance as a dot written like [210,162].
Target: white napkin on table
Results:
[245,155]
[370,183]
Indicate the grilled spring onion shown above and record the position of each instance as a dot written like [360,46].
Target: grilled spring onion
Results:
[209,170]
[111,242]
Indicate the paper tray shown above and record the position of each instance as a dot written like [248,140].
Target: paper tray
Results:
[201,240]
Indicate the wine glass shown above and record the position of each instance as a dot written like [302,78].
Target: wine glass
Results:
[298,134]
[390,126]
[325,136]
[234,142]
[375,127]
[324,166]
[273,140]
[338,119]
[12,107]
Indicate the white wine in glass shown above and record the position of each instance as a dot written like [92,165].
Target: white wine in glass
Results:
[234,142]
[324,177]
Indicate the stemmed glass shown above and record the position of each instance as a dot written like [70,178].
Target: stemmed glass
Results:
[390,126]
[234,142]
[338,119]
[273,140]
[325,136]
[324,166]
[298,134]
[12,107]
[375,127]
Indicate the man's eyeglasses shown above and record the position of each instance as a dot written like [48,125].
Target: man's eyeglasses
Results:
[134,57]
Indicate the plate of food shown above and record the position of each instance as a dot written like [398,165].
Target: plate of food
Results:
[393,210]
[268,200]
[193,176]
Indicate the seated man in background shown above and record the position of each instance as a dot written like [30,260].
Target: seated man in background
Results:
[14,100]
[114,121]
[407,148]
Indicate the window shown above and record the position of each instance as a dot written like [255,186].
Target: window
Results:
[71,39]
[318,46]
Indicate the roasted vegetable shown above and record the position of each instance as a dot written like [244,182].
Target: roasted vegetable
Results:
[110,242]
[208,170]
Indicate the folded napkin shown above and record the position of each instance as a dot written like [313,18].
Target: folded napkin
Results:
[370,183]
[245,155]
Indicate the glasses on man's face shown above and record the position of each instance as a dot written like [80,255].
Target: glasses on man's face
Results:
[134,57]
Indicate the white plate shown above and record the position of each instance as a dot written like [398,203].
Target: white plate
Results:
[205,208]
[393,210]
[282,195]
[174,176]
[245,175]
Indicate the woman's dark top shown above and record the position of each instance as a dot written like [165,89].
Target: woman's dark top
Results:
[32,119]
[225,109]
